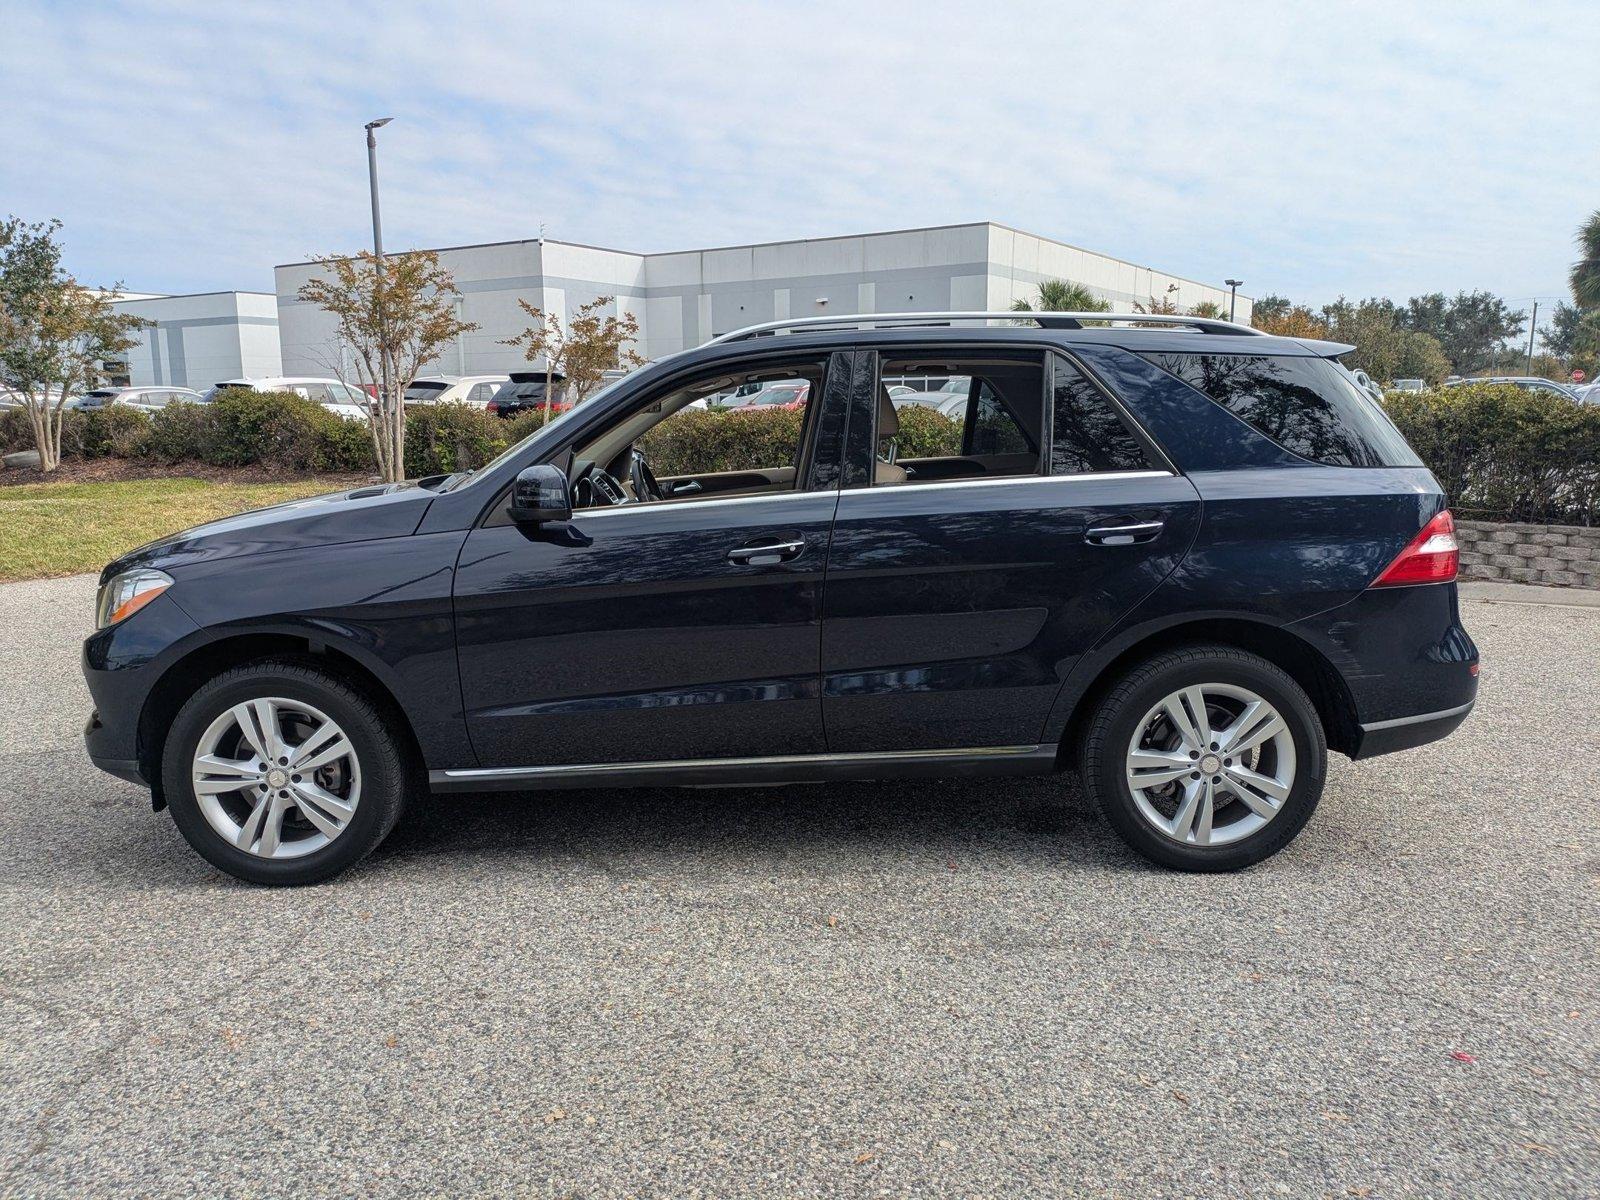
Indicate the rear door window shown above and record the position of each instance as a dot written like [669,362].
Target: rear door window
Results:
[1304,404]
[1088,435]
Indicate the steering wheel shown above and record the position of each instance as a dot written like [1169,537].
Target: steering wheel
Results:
[642,478]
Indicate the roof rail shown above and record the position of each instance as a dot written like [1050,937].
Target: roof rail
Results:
[1046,320]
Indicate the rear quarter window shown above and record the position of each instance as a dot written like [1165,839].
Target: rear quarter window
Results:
[1306,405]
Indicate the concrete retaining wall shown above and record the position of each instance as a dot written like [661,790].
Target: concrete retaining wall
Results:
[1555,555]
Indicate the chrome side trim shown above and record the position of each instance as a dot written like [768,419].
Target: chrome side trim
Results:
[676,505]
[696,764]
[906,488]
[899,489]
[1419,719]
[1046,320]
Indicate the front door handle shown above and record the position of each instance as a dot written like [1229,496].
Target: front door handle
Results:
[768,552]
[1123,535]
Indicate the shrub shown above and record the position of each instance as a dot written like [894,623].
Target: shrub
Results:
[702,440]
[444,438]
[179,432]
[114,431]
[926,433]
[1503,453]
[284,431]
[15,431]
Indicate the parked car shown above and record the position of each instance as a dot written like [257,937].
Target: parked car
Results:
[476,390]
[789,395]
[1368,384]
[1587,393]
[10,398]
[1528,383]
[524,391]
[350,403]
[1183,559]
[143,399]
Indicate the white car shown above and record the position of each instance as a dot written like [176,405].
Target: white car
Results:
[475,390]
[348,402]
[142,399]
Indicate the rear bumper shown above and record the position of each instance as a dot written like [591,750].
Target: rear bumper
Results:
[1402,733]
[1408,666]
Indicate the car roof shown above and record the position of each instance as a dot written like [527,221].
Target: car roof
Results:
[1174,340]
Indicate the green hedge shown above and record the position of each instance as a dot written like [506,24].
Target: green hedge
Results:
[1505,454]
[1500,453]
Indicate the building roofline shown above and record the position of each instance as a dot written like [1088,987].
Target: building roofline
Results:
[194,296]
[832,237]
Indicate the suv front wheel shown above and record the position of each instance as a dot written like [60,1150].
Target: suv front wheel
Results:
[1205,758]
[281,773]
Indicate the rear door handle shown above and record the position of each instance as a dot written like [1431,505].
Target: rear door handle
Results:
[768,551]
[1123,535]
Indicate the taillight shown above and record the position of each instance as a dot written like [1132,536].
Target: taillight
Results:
[493,406]
[1431,557]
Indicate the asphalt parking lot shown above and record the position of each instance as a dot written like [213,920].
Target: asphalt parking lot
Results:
[900,989]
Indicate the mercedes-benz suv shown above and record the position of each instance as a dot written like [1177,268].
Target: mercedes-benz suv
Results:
[1178,557]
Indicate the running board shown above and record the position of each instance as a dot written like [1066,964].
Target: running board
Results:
[786,768]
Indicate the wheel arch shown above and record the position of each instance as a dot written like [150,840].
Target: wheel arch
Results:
[184,676]
[1303,662]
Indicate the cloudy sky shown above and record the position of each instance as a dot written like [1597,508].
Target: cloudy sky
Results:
[1311,149]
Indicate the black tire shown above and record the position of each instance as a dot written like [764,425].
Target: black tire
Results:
[385,779]
[1111,727]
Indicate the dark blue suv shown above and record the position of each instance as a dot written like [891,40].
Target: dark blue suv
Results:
[1178,556]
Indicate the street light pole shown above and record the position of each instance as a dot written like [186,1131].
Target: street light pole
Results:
[372,183]
[377,253]
[1233,294]
[1532,325]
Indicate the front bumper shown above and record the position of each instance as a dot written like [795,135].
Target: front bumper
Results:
[121,665]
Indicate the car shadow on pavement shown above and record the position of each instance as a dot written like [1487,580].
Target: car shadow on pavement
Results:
[1045,819]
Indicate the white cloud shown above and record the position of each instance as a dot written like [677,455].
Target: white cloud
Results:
[1313,150]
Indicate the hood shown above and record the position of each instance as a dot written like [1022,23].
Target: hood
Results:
[361,514]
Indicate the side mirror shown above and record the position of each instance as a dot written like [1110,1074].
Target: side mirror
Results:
[540,494]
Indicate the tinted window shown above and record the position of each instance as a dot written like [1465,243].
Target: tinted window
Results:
[990,422]
[1306,405]
[1088,433]
[423,391]
[995,430]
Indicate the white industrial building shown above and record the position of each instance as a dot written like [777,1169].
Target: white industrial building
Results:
[196,341]
[682,298]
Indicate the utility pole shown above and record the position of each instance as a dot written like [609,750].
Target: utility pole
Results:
[377,247]
[1532,325]
[1233,294]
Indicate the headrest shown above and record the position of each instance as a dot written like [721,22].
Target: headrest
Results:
[888,419]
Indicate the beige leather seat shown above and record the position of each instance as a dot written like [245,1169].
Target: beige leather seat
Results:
[888,427]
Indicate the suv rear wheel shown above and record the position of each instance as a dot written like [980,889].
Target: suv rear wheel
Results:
[281,773]
[1205,758]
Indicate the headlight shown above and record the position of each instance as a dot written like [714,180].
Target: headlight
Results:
[125,594]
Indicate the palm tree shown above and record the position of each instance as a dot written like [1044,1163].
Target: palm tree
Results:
[1057,295]
[1586,271]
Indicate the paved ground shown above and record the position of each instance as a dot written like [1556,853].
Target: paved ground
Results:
[917,989]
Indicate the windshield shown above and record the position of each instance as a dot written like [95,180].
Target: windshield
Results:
[425,390]
[468,478]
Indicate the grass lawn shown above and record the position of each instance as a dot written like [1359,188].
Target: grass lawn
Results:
[50,529]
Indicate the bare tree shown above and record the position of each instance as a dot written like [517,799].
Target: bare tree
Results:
[54,334]
[396,314]
[592,343]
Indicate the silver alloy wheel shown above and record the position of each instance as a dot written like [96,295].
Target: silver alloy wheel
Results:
[1211,764]
[276,778]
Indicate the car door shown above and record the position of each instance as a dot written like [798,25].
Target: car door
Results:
[686,629]
[955,607]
